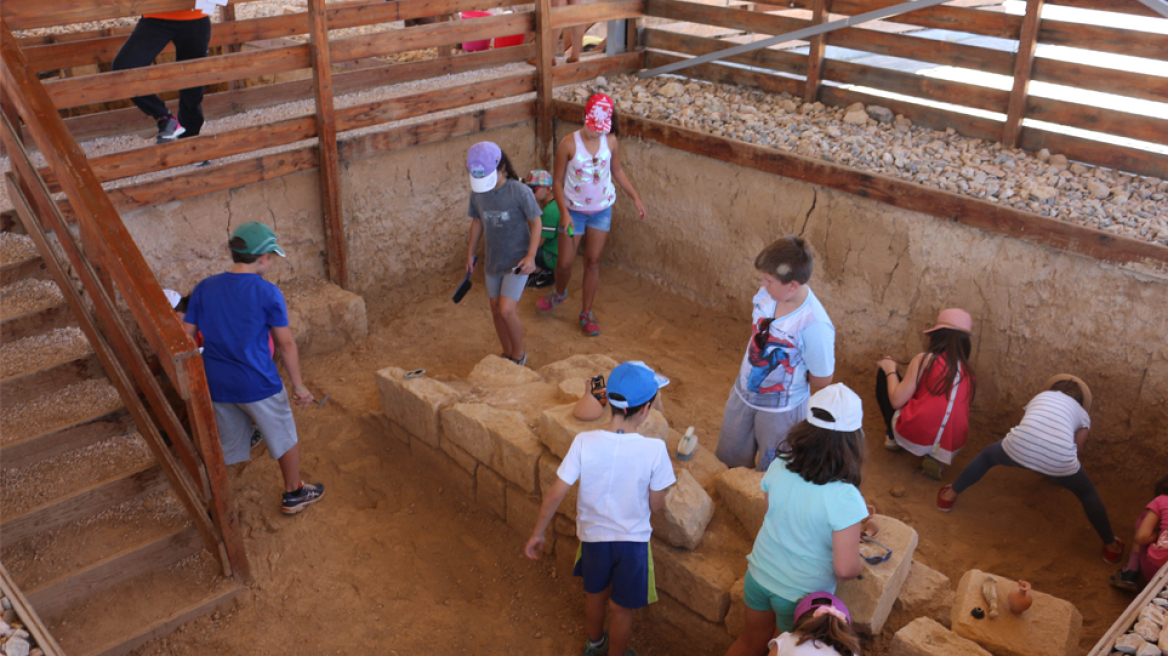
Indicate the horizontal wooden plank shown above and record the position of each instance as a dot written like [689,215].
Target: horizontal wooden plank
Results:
[776,60]
[31,268]
[933,118]
[737,19]
[53,376]
[164,626]
[1119,6]
[942,204]
[1105,80]
[958,19]
[438,100]
[596,12]
[714,72]
[368,145]
[36,322]
[1121,158]
[429,36]
[1108,121]
[61,593]
[28,14]
[83,503]
[1119,41]
[77,435]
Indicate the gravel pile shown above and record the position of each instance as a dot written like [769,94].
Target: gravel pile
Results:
[32,353]
[58,409]
[1149,635]
[15,640]
[874,139]
[24,296]
[16,248]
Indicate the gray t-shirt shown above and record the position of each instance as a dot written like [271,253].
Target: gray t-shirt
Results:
[505,212]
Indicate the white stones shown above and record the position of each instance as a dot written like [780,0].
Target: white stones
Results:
[500,372]
[880,114]
[1058,161]
[672,89]
[740,492]
[498,438]
[414,404]
[1147,630]
[687,512]
[870,598]
[856,116]
[1148,649]
[1050,627]
[1129,643]
[1042,193]
[788,106]
[926,637]
[16,647]
[1153,614]
[1098,189]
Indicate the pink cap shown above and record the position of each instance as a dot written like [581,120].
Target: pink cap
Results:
[954,319]
[823,602]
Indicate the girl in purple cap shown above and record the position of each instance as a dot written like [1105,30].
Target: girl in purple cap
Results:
[823,627]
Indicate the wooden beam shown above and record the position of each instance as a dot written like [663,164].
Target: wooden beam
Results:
[430,36]
[1109,121]
[958,19]
[35,322]
[815,52]
[1132,43]
[336,246]
[38,382]
[32,268]
[78,435]
[1023,66]
[164,626]
[545,133]
[595,12]
[28,14]
[32,620]
[1133,7]
[967,210]
[714,72]
[1098,78]
[1120,158]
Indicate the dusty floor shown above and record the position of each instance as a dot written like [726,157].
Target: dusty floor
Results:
[391,563]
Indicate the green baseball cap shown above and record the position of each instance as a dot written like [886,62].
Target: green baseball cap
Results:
[259,239]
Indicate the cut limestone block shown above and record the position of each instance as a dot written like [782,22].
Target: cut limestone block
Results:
[548,466]
[578,366]
[926,637]
[701,635]
[703,464]
[499,372]
[449,472]
[572,389]
[736,616]
[499,439]
[380,422]
[414,404]
[1049,628]
[740,492]
[323,317]
[926,593]
[522,511]
[699,579]
[459,455]
[870,599]
[558,427]
[687,512]
[654,426]
[491,492]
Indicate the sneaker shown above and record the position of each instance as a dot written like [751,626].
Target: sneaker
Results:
[168,130]
[597,650]
[1113,556]
[943,505]
[545,278]
[548,302]
[890,443]
[307,495]
[1126,580]
[522,362]
[588,320]
[256,436]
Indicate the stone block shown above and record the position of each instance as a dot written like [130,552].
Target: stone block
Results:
[736,616]
[703,464]
[498,438]
[548,466]
[558,427]
[448,471]
[323,317]
[687,512]
[491,492]
[414,404]
[495,371]
[926,593]
[522,511]
[869,599]
[380,422]
[572,389]
[926,637]
[740,492]
[459,455]
[578,366]
[701,635]
[1049,628]
[699,579]
[654,426]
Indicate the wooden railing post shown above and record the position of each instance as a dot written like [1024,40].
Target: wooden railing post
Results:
[545,134]
[326,131]
[9,111]
[815,52]
[229,16]
[1023,66]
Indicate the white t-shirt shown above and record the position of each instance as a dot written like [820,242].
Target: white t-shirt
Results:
[787,647]
[1045,439]
[616,472]
[774,378]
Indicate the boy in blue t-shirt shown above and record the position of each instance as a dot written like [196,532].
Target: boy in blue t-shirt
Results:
[236,311]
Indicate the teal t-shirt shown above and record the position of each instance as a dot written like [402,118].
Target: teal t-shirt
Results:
[792,553]
[551,234]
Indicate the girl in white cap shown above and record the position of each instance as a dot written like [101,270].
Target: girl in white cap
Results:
[927,412]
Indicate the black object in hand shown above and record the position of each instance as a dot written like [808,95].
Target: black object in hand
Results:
[464,287]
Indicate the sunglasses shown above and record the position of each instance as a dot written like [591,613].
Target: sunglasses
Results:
[876,560]
[764,332]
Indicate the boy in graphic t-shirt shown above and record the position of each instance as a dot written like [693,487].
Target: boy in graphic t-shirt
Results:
[236,311]
[791,350]
[623,477]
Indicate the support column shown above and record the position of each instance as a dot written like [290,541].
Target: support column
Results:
[326,132]
[545,134]
[815,52]
[1023,66]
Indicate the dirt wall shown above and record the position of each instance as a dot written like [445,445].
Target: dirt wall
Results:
[883,273]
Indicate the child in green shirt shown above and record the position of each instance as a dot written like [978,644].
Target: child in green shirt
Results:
[548,253]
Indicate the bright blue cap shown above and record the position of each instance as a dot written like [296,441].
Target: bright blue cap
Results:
[632,384]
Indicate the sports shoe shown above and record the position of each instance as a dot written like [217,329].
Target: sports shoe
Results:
[943,505]
[522,362]
[307,495]
[168,130]
[548,302]
[256,436]
[599,650]
[588,320]
[890,443]
[1126,580]
[1113,556]
[545,278]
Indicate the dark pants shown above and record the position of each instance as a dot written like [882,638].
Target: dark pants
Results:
[1078,483]
[883,400]
[149,37]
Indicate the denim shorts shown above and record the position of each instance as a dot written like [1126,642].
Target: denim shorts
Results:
[508,284]
[601,220]
[759,598]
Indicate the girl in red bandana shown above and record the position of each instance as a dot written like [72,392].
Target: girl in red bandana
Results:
[586,168]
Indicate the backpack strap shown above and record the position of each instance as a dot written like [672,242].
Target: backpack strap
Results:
[948,410]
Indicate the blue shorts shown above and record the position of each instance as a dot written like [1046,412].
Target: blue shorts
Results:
[760,599]
[601,220]
[626,566]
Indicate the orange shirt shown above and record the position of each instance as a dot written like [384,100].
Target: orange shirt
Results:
[185,14]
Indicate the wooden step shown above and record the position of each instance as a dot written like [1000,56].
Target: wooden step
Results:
[35,322]
[52,376]
[83,503]
[79,434]
[65,591]
[166,625]
[29,268]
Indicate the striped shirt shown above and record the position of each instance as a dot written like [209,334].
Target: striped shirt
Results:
[1045,440]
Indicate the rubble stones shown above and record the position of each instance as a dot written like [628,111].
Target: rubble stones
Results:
[497,371]
[687,512]
[498,438]
[926,637]
[880,114]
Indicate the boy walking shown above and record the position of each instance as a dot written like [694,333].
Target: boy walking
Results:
[623,476]
[548,254]
[235,311]
[791,350]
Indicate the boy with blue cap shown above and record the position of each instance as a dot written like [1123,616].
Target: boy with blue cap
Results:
[623,477]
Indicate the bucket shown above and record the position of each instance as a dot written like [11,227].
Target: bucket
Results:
[475,46]
[508,41]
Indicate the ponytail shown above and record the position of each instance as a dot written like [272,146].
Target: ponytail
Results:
[828,630]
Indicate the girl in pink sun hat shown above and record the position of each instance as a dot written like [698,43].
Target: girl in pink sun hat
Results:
[927,412]
[823,627]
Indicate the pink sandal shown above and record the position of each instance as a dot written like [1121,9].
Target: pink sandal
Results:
[550,301]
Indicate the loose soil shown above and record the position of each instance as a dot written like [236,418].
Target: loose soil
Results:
[393,562]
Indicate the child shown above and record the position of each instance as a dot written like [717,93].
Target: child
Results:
[505,210]
[1151,550]
[548,254]
[236,311]
[810,537]
[587,162]
[823,627]
[1047,441]
[623,476]
[927,413]
[791,350]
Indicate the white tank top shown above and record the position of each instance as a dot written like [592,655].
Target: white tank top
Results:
[588,185]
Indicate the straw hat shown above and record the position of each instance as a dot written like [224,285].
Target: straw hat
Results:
[1078,381]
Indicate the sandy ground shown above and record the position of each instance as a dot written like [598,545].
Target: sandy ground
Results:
[390,562]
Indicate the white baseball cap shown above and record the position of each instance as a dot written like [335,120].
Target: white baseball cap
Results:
[842,404]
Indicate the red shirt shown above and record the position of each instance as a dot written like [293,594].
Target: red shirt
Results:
[921,416]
